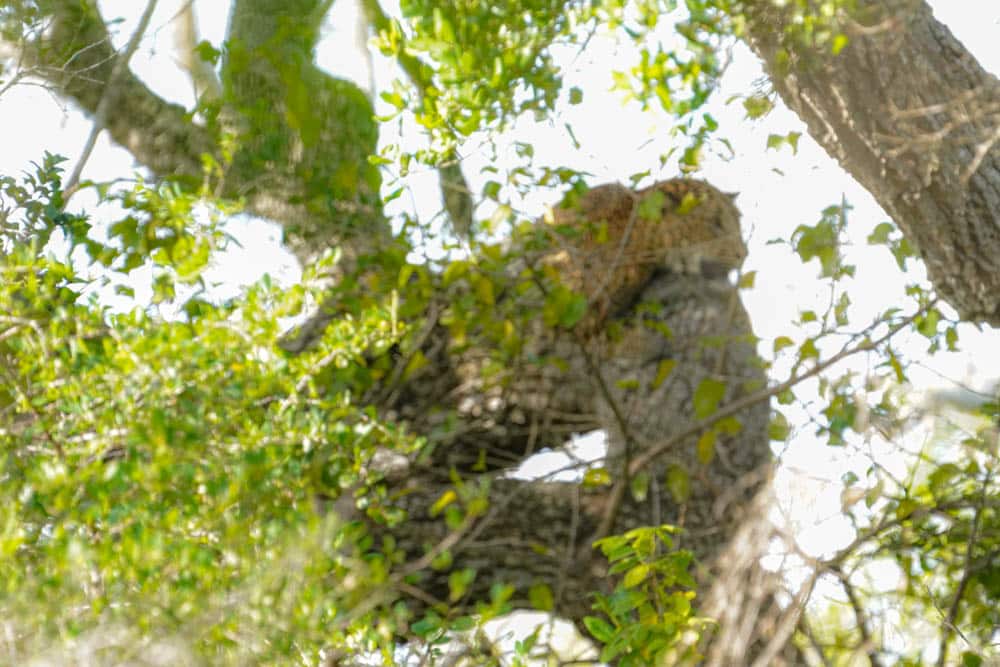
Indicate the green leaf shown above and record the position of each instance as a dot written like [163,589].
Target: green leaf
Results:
[757,106]
[426,626]
[599,629]
[540,597]
[663,371]
[445,499]
[838,44]
[897,367]
[880,235]
[808,350]
[462,624]
[905,508]
[778,428]
[706,447]
[491,190]
[572,311]
[707,397]
[459,582]
[781,342]
[927,324]
[678,483]
[651,206]
[636,575]
[639,486]
[207,52]
[729,426]
[595,477]
[394,99]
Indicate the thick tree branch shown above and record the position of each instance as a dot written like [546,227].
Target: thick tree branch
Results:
[103,107]
[77,56]
[908,112]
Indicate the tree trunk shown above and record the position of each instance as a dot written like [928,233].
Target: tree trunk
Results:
[539,532]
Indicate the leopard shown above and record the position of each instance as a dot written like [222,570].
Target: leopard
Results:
[607,243]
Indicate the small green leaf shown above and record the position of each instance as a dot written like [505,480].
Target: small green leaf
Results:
[880,235]
[636,575]
[808,350]
[905,508]
[678,483]
[651,206]
[540,597]
[663,370]
[600,629]
[596,477]
[781,342]
[639,486]
[491,190]
[707,397]
[426,626]
[757,106]
[207,52]
[447,498]
[778,428]
[927,324]
[970,659]
[897,367]
[462,624]
[442,561]
[459,582]
[706,447]
[729,426]
[574,311]
[839,42]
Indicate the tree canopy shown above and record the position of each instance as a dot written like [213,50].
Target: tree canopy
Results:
[323,473]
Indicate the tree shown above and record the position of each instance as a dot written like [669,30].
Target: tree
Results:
[154,462]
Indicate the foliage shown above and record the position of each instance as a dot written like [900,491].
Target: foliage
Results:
[167,476]
[168,473]
[650,612]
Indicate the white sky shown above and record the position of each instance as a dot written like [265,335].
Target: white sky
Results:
[778,190]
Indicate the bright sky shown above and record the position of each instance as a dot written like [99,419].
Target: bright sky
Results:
[778,190]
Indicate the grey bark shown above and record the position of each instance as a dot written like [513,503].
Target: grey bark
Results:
[314,179]
[909,113]
[541,532]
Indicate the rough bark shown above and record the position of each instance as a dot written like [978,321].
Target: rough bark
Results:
[910,113]
[301,136]
[541,532]
[76,56]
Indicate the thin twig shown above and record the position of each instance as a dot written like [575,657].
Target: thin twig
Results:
[104,105]
[950,626]
[867,643]
[656,450]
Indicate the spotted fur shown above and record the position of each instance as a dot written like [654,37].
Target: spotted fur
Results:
[611,240]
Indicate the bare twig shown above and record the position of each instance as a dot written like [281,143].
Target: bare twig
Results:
[867,642]
[949,626]
[655,450]
[101,114]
